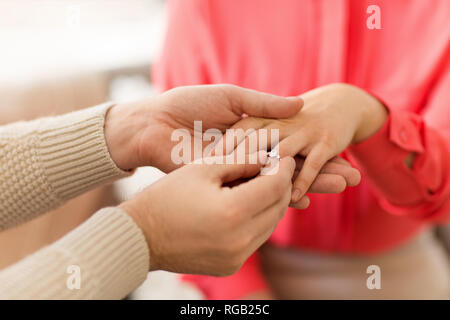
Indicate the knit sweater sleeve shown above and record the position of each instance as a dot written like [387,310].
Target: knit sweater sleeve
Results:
[104,258]
[45,162]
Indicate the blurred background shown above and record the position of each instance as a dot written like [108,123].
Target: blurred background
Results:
[57,56]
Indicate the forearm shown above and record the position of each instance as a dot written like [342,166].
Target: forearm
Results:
[104,258]
[49,161]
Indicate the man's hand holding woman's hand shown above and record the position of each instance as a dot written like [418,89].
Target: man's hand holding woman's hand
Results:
[139,133]
[208,218]
[195,223]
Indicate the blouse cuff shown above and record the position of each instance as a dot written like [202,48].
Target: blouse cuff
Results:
[382,159]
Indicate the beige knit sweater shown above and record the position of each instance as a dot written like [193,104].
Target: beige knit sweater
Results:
[44,163]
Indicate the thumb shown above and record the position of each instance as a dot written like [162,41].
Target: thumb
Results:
[264,105]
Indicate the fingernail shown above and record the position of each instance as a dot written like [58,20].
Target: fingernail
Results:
[296,195]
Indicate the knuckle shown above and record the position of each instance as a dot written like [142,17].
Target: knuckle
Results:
[223,269]
[230,89]
[273,216]
[229,266]
[234,265]
[328,142]
[229,271]
[231,214]
[315,164]
[228,249]
[243,243]
[237,247]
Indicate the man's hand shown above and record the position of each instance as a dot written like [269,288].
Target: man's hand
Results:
[139,134]
[195,223]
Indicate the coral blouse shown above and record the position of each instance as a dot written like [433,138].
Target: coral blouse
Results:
[290,46]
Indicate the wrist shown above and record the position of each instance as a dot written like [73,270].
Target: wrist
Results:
[133,211]
[124,124]
[118,134]
[373,116]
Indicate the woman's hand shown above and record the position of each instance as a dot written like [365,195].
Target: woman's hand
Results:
[139,134]
[194,223]
[334,177]
[332,117]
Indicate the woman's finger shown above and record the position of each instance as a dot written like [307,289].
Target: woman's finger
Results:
[351,175]
[340,160]
[292,145]
[314,162]
[328,183]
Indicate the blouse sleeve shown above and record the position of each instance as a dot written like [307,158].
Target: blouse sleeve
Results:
[423,191]
[106,257]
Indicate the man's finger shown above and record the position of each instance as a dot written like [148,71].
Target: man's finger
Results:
[232,167]
[264,224]
[265,190]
